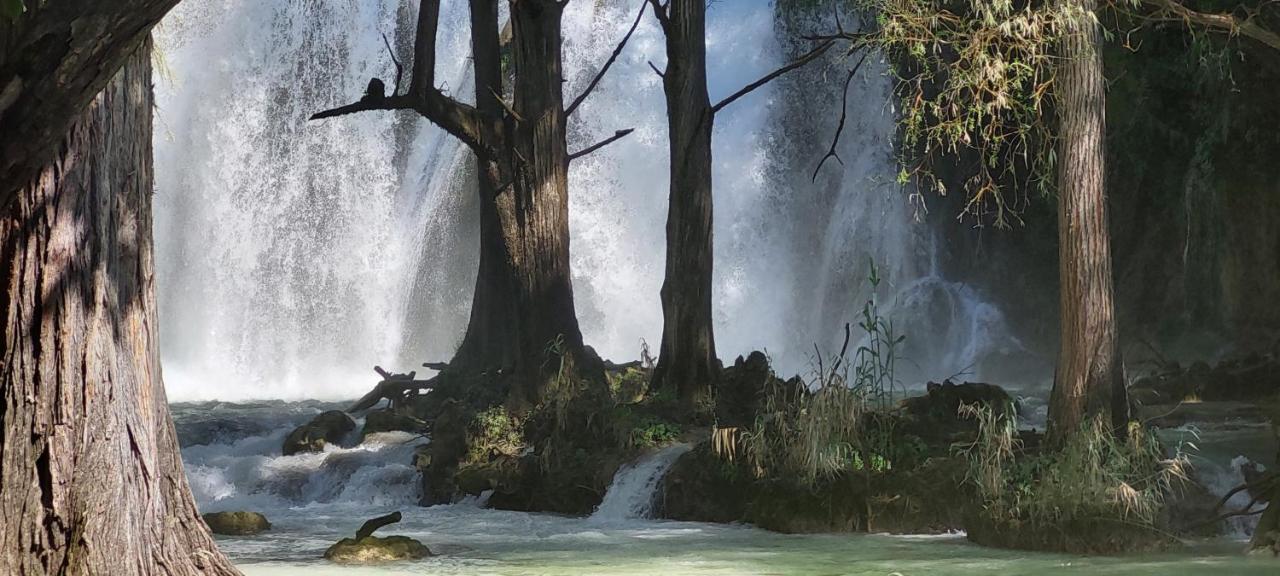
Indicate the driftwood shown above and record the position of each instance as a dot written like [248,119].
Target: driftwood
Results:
[369,527]
[393,387]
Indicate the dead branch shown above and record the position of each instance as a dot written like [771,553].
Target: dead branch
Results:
[604,69]
[844,116]
[767,78]
[399,68]
[655,69]
[601,144]
[437,366]
[370,526]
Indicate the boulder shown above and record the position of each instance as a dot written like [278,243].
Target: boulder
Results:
[936,414]
[366,548]
[376,550]
[327,428]
[378,421]
[240,523]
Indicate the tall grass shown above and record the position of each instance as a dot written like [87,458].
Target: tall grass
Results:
[1096,476]
[814,431]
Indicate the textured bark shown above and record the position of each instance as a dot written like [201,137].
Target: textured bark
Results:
[534,209]
[490,340]
[687,360]
[1090,377]
[53,59]
[91,474]
[523,322]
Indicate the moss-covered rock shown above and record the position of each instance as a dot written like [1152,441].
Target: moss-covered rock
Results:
[239,523]
[376,550]
[703,487]
[327,428]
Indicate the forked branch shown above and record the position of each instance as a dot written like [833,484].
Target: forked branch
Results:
[844,116]
[767,78]
[1230,23]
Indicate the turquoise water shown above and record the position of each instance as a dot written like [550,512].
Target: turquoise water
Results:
[470,540]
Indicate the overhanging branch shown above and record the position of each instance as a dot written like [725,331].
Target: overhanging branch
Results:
[604,69]
[456,118]
[844,116]
[601,144]
[767,78]
[1230,23]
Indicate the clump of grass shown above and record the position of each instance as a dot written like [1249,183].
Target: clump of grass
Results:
[812,432]
[494,431]
[1096,478]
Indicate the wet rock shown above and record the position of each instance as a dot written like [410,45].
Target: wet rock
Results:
[240,523]
[376,550]
[327,428]
[378,421]
[366,548]
[1253,378]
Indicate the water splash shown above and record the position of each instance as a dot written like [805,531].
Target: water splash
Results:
[635,486]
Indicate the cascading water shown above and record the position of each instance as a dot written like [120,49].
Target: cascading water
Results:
[294,255]
[233,461]
[635,486]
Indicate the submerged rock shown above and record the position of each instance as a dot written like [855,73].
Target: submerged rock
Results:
[240,523]
[327,428]
[376,550]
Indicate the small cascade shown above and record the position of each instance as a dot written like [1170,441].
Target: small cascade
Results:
[635,486]
[236,467]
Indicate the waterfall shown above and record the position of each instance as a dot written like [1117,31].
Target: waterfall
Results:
[292,256]
[635,486]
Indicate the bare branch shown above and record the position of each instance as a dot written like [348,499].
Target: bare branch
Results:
[399,68]
[844,115]
[601,144]
[456,118]
[801,61]
[655,69]
[1230,23]
[612,57]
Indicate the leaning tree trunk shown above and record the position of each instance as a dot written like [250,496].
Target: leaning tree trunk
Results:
[1090,378]
[687,360]
[534,210]
[91,474]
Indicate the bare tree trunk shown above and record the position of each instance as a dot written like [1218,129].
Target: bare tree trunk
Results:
[53,59]
[92,478]
[1090,376]
[687,360]
[490,341]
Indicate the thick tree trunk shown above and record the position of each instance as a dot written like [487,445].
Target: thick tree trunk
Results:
[687,360]
[1090,377]
[534,209]
[53,59]
[92,478]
